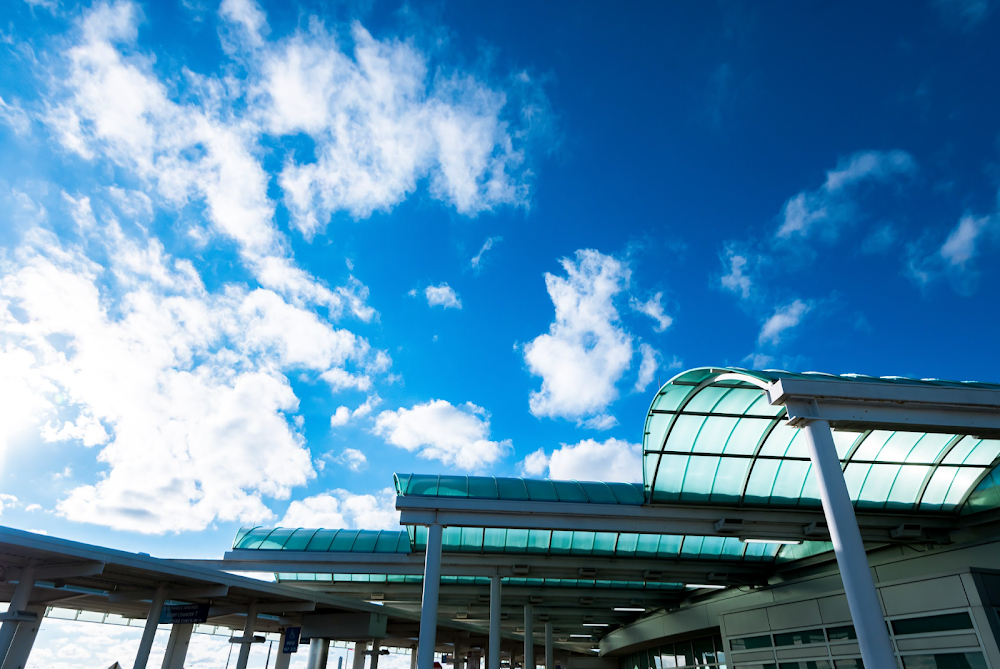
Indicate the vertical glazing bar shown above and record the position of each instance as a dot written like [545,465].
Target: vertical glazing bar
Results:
[862,598]
[376,643]
[494,657]
[429,603]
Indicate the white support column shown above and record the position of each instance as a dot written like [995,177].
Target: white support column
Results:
[549,660]
[241,662]
[177,646]
[862,598]
[413,658]
[359,654]
[529,638]
[312,660]
[283,659]
[323,654]
[149,632]
[18,602]
[24,639]
[429,601]
[495,635]
[375,648]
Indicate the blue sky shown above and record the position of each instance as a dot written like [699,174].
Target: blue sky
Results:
[257,257]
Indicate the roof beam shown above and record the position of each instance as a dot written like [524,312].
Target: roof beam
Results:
[182,594]
[54,571]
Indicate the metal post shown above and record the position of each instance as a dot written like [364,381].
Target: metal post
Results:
[177,646]
[494,657]
[862,598]
[282,659]
[375,649]
[413,658]
[429,602]
[549,661]
[18,601]
[359,654]
[313,654]
[152,620]
[24,639]
[324,654]
[244,657]
[529,638]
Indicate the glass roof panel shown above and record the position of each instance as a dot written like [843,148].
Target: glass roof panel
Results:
[518,489]
[929,448]
[541,490]
[984,453]
[961,450]
[714,434]
[906,486]
[656,428]
[746,436]
[277,538]
[512,489]
[738,400]
[321,540]
[729,479]
[483,487]
[844,441]
[598,493]
[570,491]
[986,495]
[299,540]
[698,478]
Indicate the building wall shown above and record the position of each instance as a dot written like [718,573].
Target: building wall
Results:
[915,586]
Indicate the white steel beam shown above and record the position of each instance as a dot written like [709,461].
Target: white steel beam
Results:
[247,643]
[149,631]
[18,601]
[24,639]
[429,602]
[181,594]
[495,603]
[177,646]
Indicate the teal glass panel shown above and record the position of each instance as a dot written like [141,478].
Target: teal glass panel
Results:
[711,547]
[685,431]
[929,448]
[254,537]
[692,546]
[937,488]
[844,441]
[875,489]
[583,543]
[746,435]
[699,478]
[761,481]
[729,479]
[627,544]
[810,489]
[986,495]
[647,545]
[805,549]
[598,493]
[344,540]
[512,489]
[777,442]
[277,538]
[402,482]
[387,542]
[539,541]
[669,477]
[656,428]
[964,480]
[714,434]
[753,552]
[897,448]
[472,539]
[483,487]
[855,476]
[945,661]
[798,448]
[604,543]
[961,451]
[872,445]
[321,540]
[669,546]
[242,532]
[788,481]
[649,466]
[764,408]
[706,399]
[451,539]
[561,542]
[494,539]
[422,485]
[541,490]
[453,486]
[732,548]
[403,542]
[365,543]
[984,453]
[906,486]
[299,540]
[569,491]
[738,400]
[943,623]
[671,397]
[517,541]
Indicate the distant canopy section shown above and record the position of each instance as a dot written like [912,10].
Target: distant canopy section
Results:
[517,489]
[711,436]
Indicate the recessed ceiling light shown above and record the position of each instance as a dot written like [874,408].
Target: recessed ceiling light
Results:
[709,586]
[629,608]
[595,624]
[786,542]
[579,636]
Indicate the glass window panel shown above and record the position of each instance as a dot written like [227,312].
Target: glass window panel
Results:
[671,398]
[984,453]
[788,481]
[929,448]
[541,491]
[732,548]
[876,487]
[647,545]
[539,541]
[569,491]
[472,539]
[669,476]
[964,479]
[626,545]
[777,442]
[642,660]
[683,649]
[961,450]
[682,436]
[898,446]
[714,434]
[654,657]
[799,638]
[628,493]
[764,408]
[511,488]
[943,623]
[843,633]
[945,661]
[656,428]
[321,540]
[453,486]
[599,493]
[753,552]
[938,487]
[843,441]
[365,543]
[691,546]
[387,541]
[907,485]
[986,495]
[711,547]
[699,477]
[743,440]
[494,539]
[761,481]
[517,541]
[706,399]
[704,651]
[583,542]
[810,489]
[667,657]
[854,476]
[277,538]
[670,545]
[422,485]
[482,487]
[604,543]
[872,444]
[738,400]
[852,663]
[344,540]
[751,642]
[729,479]
[720,650]
[798,448]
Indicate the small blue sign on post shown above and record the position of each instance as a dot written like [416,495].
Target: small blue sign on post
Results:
[182,614]
[291,640]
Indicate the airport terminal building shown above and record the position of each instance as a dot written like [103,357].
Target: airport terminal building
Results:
[785,521]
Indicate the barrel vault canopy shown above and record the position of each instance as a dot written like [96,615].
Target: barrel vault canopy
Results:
[711,436]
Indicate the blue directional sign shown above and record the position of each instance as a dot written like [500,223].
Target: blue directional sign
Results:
[184,614]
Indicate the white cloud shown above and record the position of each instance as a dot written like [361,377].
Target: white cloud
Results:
[456,435]
[825,210]
[737,280]
[647,368]
[588,460]
[477,259]
[7,502]
[442,295]
[343,509]
[654,309]
[14,117]
[960,247]
[248,16]
[353,459]
[340,416]
[783,319]
[586,351]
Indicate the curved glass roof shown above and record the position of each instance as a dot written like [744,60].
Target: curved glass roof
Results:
[711,436]
[331,541]
[484,580]
[516,489]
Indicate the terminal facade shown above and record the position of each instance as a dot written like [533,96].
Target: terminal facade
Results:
[785,521]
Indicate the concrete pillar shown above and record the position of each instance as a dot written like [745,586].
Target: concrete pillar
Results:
[24,639]
[313,654]
[322,653]
[495,635]
[149,631]
[359,654]
[549,660]
[375,649]
[413,658]
[283,659]
[862,598]
[18,602]
[429,601]
[244,657]
[529,638]
[177,646]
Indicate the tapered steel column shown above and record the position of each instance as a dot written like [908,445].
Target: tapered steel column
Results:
[529,638]
[24,639]
[283,659]
[494,649]
[862,598]
[413,658]
[177,646]
[549,661]
[360,648]
[247,644]
[149,632]
[18,602]
[429,602]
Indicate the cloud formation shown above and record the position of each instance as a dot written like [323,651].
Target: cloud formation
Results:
[477,259]
[654,309]
[588,460]
[781,321]
[457,436]
[442,295]
[342,509]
